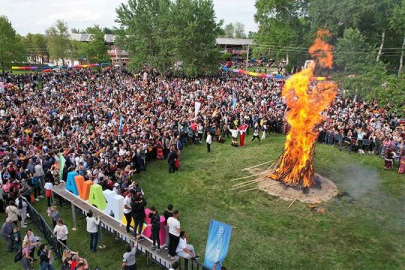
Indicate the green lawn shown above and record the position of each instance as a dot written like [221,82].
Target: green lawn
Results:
[366,234]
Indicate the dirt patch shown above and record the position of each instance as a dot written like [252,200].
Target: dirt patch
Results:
[323,191]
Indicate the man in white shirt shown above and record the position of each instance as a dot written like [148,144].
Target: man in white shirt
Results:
[185,250]
[128,209]
[174,232]
[61,231]
[209,141]
[92,228]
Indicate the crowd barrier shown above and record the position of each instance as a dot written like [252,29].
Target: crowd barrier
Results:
[38,221]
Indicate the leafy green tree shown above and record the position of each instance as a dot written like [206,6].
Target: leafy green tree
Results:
[229,30]
[96,49]
[58,41]
[145,32]
[397,23]
[11,46]
[162,33]
[239,30]
[251,34]
[36,46]
[77,31]
[353,54]
[280,27]
[195,36]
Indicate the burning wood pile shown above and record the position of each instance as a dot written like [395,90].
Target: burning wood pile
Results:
[306,99]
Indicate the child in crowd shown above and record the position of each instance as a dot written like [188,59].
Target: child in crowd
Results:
[16,236]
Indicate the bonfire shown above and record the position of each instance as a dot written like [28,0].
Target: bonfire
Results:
[306,99]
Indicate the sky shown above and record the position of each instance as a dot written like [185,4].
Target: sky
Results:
[34,16]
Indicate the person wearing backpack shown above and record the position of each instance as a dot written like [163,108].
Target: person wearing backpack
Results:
[22,206]
[26,259]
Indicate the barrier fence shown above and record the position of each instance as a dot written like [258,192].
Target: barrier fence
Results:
[41,225]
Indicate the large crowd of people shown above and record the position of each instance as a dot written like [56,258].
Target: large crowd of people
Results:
[108,124]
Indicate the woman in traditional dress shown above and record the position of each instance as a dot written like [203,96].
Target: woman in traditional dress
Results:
[242,130]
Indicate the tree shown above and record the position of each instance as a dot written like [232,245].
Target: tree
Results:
[397,23]
[77,31]
[239,30]
[195,36]
[145,32]
[353,54]
[161,33]
[96,49]
[36,46]
[251,34]
[107,31]
[58,41]
[229,30]
[11,46]
[281,26]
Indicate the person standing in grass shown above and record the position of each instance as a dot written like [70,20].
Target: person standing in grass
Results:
[45,258]
[168,213]
[26,256]
[256,132]
[61,231]
[209,141]
[12,212]
[174,233]
[171,160]
[7,232]
[92,229]
[53,214]
[22,206]
[129,260]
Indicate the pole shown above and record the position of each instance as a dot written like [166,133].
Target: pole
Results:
[74,217]
[247,57]
[100,229]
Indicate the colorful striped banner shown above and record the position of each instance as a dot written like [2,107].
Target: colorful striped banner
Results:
[86,66]
[23,68]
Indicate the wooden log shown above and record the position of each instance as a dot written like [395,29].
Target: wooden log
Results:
[246,169]
[246,184]
[272,184]
[240,178]
[295,199]
[250,181]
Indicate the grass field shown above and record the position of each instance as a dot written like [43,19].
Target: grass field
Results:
[367,234]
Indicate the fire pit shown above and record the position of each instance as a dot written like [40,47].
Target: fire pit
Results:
[322,190]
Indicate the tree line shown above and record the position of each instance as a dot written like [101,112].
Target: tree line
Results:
[55,44]
[368,37]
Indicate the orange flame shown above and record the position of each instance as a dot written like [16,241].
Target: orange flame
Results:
[305,99]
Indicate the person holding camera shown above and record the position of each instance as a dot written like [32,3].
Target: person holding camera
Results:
[138,204]
[155,224]
[92,229]
[45,258]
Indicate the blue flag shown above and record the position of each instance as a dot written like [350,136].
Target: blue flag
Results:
[219,236]
[233,103]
